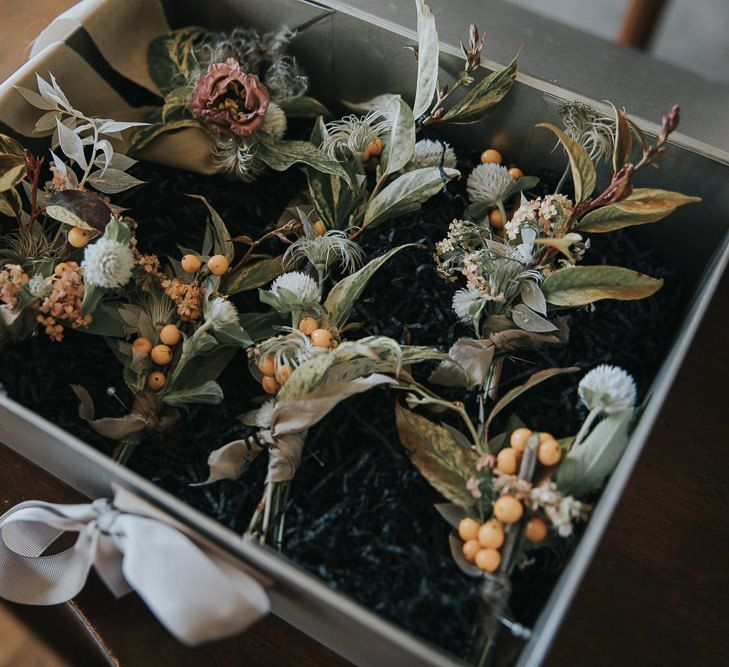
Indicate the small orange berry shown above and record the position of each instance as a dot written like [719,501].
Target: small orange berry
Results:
[170,334]
[283,373]
[470,549]
[156,380]
[491,534]
[218,265]
[308,326]
[507,460]
[468,529]
[78,238]
[535,530]
[161,354]
[190,263]
[508,509]
[270,385]
[364,156]
[516,173]
[519,438]
[545,437]
[142,346]
[488,560]
[267,365]
[375,148]
[319,228]
[491,155]
[496,220]
[321,338]
[549,452]
[60,269]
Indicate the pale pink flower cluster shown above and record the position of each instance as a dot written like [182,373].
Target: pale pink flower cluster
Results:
[562,511]
[549,216]
[12,279]
[62,305]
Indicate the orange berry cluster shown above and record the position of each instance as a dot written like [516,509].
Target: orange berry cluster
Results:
[481,542]
[276,375]
[492,156]
[161,353]
[508,459]
[188,295]
[371,154]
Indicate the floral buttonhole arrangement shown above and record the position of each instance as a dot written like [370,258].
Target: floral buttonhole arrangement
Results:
[519,491]
[46,276]
[240,89]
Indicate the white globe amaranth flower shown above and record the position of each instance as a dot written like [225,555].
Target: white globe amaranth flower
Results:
[429,153]
[489,183]
[463,302]
[274,122]
[108,263]
[608,388]
[300,284]
[220,311]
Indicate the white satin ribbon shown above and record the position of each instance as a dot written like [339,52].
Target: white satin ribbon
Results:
[185,581]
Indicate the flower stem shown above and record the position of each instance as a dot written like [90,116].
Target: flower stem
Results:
[594,413]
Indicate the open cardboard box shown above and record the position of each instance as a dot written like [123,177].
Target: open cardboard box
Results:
[354,51]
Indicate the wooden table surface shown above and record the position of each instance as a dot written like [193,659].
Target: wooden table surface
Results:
[656,593]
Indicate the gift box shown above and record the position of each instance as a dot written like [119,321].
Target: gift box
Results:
[352,51]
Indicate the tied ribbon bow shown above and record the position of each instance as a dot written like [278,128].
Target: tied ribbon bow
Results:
[186,582]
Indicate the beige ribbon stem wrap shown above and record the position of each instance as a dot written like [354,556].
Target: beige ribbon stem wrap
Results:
[196,593]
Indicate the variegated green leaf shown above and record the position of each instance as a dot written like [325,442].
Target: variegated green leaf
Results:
[428,48]
[643,206]
[280,155]
[344,294]
[483,97]
[222,244]
[253,275]
[580,285]
[170,58]
[12,170]
[406,194]
[303,107]
[584,176]
[400,142]
[445,463]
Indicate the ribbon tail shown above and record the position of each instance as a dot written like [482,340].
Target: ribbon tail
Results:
[191,594]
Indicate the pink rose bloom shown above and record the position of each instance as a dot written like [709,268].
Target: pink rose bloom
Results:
[229,100]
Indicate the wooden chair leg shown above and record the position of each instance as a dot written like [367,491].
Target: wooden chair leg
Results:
[639,22]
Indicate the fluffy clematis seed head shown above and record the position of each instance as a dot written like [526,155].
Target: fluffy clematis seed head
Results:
[230,101]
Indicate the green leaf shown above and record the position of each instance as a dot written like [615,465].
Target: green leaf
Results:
[92,298]
[427,59]
[400,143]
[280,155]
[580,285]
[405,194]
[222,244]
[642,206]
[9,145]
[79,208]
[483,97]
[262,325]
[12,170]
[209,393]
[107,322]
[10,203]
[589,463]
[584,176]
[377,102]
[303,107]
[176,99]
[144,135]
[623,142]
[171,58]
[330,196]
[252,276]
[434,451]
[513,394]
[343,296]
